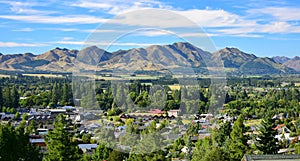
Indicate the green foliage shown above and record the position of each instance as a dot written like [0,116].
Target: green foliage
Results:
[102,152]
[266,139]
[153,156]
[15,145]
[238,146]
[205,150]
[60,146]
[116,155]
[222,134]
[114,111]
[86,138]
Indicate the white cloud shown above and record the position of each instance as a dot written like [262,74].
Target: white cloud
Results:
[67,38]
[84,43]
[272,27]
[198,34]
[92,5]
[68,19]
[280,27]
[27,29]
[19,7]
[15,44]
[116,7]
[151,33]
[280,13]
[187,18]
[216,18]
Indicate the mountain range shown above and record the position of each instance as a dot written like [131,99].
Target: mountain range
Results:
[155,57]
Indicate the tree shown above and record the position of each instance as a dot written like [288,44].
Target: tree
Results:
[102,152]
[266,141]
[154,156]
[54,96]
[222,134]
[238,144]
[15,145]
[6,97]
[116,155]
[1,99]
[14,97]
[60,146]
[64,96]
[205,150]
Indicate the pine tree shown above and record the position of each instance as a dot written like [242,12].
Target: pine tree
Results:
[102,152]
[238,144]
[1,99]
[54,96]
[15,145]
[222,134]
[64,97]
[14,97]
[267,143]
[60,146]
[6,97]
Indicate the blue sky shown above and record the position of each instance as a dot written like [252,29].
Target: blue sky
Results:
[264,28]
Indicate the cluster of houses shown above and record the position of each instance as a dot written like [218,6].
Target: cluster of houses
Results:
[93,121]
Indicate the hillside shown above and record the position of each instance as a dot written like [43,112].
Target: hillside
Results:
[293,63]
[155,57]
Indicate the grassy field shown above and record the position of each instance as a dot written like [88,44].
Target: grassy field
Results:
[44,75]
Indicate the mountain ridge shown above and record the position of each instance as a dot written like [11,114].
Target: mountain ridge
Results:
[154,57]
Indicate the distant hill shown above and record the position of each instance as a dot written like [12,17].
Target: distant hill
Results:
[155,57]
[281,59]
[293,63]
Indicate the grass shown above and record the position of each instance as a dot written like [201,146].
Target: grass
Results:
[186,121]
[44,75]
[174,87]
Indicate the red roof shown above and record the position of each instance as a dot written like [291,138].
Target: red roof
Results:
[279,126]
[156,111]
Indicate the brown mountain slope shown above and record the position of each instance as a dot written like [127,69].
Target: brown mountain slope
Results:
[155,57]
[293,63]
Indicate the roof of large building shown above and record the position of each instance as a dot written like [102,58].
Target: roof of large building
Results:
[292,157]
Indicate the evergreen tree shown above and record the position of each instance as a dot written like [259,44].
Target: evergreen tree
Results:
[102,152]
[238,144]
[54,92]
[60,146]
[222,134]
[116,155]
[1,99]
[15,145]
[14,97]
[267,143]
[205,150]
[6,97]
[64,97]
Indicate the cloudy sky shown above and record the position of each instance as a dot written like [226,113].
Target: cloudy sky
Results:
[264,28]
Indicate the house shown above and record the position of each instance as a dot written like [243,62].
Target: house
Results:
[6,116]
[87,147]
[156,111]
[173,113]
[42,131]
[278,157]
[38,142]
